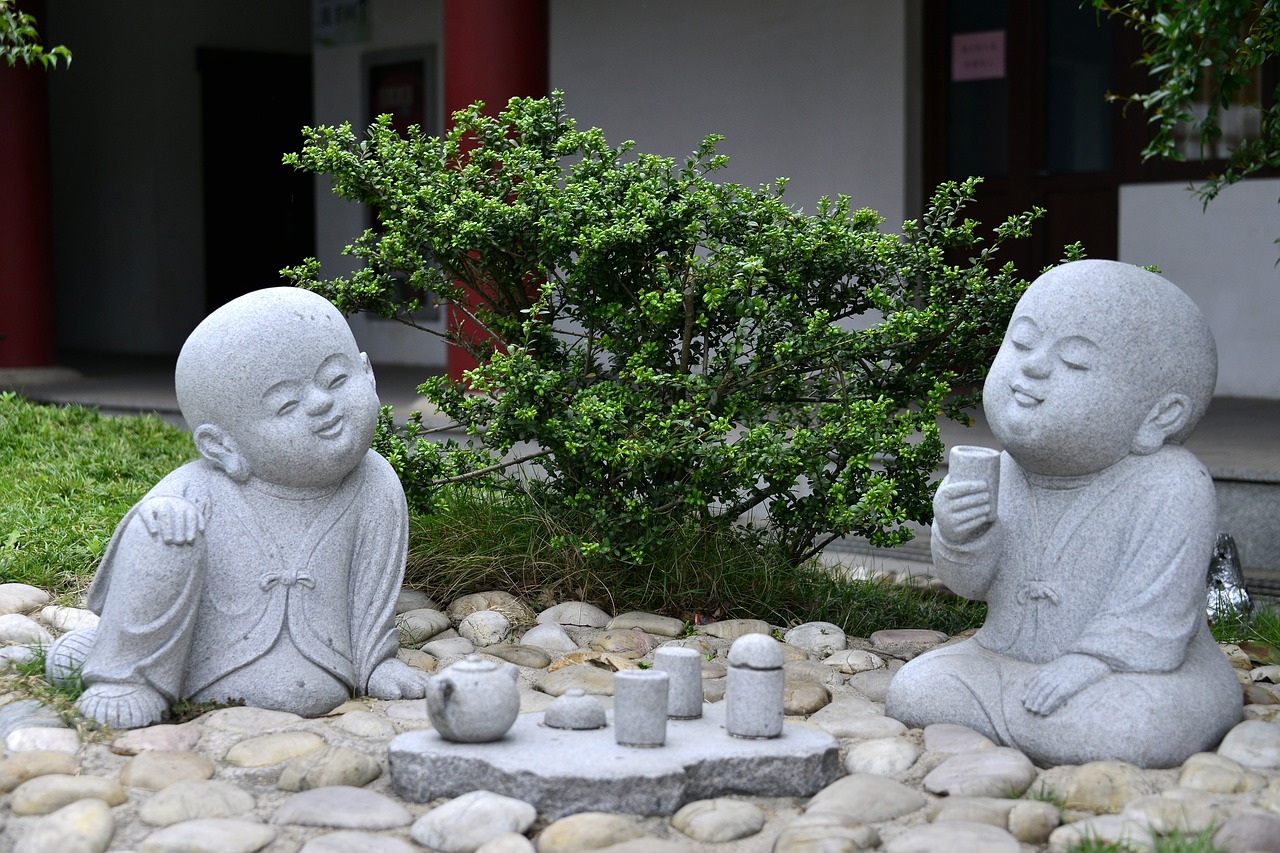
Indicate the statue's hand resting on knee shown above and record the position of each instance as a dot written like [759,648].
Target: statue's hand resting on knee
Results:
[1059,680]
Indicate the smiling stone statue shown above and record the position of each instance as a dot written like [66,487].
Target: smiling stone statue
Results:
[1089,538]
[267,571]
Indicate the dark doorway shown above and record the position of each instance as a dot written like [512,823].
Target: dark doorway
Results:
[259,215]
[1015,93]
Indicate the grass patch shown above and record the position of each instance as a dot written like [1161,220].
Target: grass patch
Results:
[68,475]
[481,539]
[1177,841]
[1258,636]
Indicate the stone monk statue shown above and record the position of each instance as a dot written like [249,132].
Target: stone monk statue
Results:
[266,571]
[1088,537]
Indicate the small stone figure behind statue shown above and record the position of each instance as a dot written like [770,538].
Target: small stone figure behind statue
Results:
[266,571]
[1090,543]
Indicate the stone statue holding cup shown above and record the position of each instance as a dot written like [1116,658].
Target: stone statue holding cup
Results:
[1088,537]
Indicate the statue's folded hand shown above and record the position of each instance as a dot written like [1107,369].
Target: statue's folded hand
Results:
[1057,681]
[394,679]
[176,520]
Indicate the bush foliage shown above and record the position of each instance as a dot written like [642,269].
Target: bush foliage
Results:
[673,349]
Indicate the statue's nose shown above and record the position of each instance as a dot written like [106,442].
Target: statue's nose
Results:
[1037,365]
[320,404]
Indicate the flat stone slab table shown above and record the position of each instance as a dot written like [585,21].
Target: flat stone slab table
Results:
[563,771]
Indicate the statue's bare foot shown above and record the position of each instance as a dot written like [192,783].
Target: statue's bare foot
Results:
[394,679]
[122,705]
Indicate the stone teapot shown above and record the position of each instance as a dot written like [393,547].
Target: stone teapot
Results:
[474,700]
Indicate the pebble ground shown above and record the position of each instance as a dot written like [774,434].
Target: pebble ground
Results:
[237,780]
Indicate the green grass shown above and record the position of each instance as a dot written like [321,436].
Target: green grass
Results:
[1173,842]
[67,476]
[482,539]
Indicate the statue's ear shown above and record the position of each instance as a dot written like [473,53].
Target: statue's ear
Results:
[368,370]
[216,444]
[1166,417]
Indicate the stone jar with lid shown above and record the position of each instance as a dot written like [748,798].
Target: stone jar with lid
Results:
[755,692]
[474,700]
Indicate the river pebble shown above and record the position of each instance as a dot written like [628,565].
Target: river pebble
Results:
[85,826]
[464,823]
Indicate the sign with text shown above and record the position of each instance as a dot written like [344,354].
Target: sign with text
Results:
[977,56]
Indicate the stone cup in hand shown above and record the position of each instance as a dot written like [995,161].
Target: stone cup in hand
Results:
[972,464]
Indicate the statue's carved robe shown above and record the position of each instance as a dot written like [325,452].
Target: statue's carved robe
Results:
[1111,566]
[306,594]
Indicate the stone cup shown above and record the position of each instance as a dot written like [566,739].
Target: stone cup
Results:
[972,464]
[684,693]
[640,707]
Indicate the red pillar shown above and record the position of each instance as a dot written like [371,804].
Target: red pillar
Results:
[494,50]
[26,280]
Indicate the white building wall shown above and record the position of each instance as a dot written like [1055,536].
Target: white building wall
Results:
[1224,256]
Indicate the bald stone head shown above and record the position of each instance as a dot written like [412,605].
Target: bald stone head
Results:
[274,385]
[1101,359]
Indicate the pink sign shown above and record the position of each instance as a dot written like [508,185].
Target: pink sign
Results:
[977,56]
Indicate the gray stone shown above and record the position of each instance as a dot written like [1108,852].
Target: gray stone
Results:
[954,837]
[414,599]
[42,739]
[167,738]
[684,689]
[23,630]
[647,845]
[866,799]
[250,720]
[624,642]
[1253,743]
[588,831]
[1108,829]
[801,697]
[278,544]
[820,638]
[826,833]
[1249,833]
[650,623]
[24,713]
[1032,821]
[590,679]
[640,707]
[993,811]
[902,642]
[418,626]
[407,710]
[1105,370]
[449,647]
[16,655]
[575,710]
[272,749]
[1191,812]
[157,769]
[501,601]
[952,739]
[1208,771]
[1105,787]
[732,629]
[365,724]
[549,637]
[21,598]
[508,842]
[193,799]
[530,657]
[210,835]
[874,684]
[471,820]
[16,769]
[888,756]
[357,842]
[756,692]
[342,807]
[852,661]
[418,659]
[85,826]
[62,619]
[45,794]
[474,700]
[719,820]
[485,628]
[576,613]
[1000,771]
[561,772]
[333,765]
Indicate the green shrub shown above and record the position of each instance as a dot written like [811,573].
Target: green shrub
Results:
[674,349]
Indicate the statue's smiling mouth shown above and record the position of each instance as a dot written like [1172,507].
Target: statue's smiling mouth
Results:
[331,428]
[1025,398]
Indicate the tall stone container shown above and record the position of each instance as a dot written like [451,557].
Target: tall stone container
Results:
[754,694]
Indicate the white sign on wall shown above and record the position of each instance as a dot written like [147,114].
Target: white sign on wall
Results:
[977,56]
